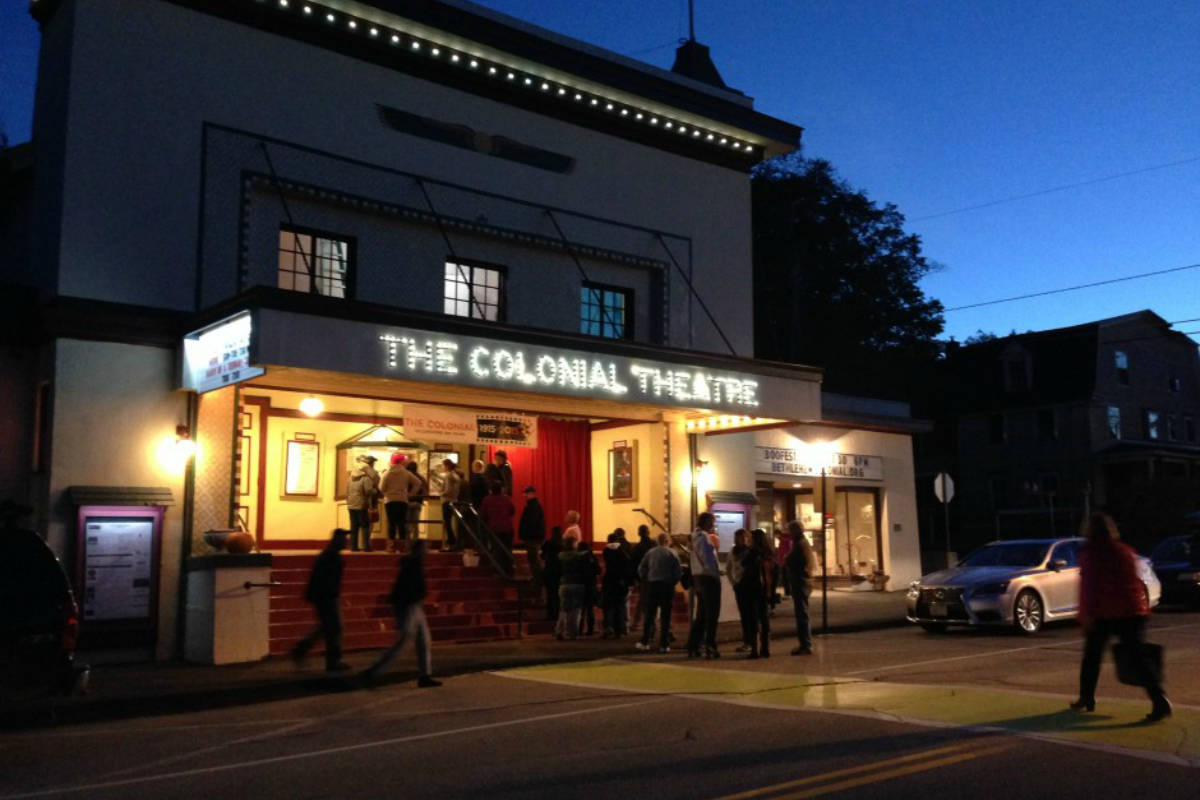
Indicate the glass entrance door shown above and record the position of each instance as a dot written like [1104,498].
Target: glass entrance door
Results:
[856,531]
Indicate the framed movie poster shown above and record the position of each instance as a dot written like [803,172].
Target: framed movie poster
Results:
[437,476]
[301,467]
[622,478]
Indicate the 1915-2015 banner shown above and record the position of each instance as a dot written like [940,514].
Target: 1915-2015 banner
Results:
[465,426]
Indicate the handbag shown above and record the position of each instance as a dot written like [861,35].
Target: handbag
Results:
[1138,663]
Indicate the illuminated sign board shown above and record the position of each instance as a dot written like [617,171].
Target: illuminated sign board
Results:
[482,362]
[793,462]
[219,355]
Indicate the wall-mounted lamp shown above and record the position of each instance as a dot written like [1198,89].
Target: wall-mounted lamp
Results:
[312,406]
[185,445]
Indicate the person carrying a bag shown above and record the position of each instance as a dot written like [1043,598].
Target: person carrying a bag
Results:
[1112,601]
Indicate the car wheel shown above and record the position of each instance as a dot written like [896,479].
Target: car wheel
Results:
[934,627]
[1028,614]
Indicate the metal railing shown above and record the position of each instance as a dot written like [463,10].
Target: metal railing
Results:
[484,540]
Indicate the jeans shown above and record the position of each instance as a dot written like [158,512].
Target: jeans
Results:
[744,596]
[616,610]
[1129,631]
[397,515]
[800,591]
[360,521]
[449,525]
[659,598]
[414,518]
[570,596]
[708,612]
[552,596]
[410,622]
[330,627]
[759,623]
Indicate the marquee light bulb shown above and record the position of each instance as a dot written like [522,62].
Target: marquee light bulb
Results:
[312,406]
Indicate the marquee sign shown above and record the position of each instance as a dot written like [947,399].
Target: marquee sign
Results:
[793,462]
[219,355]
[483,362]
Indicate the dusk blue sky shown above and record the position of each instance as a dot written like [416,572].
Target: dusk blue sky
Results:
[938,106]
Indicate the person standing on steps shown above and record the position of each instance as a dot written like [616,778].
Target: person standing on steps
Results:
[452,484]
[362,492]
[532,532]
[800,566]
[416,501]
[706,583]
[397,486]
[497,513]
[499,470]
[1112,602]
[324,592]
[408,600]
[659,571]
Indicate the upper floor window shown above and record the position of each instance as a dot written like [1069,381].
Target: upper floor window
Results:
[475,291]
[1121,362]
[315,262]
[1047,425]
[1150,420]
[1114,422]
[606,311]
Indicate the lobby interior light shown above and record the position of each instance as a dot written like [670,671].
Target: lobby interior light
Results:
[312,406]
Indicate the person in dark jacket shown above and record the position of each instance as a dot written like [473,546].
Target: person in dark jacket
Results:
[734,571]
[659,571]
[799,568]
[573,573]
[644,545]
[532,532]
[615,585]
[499,470]
[1112,601]
[408,600]
[758,585]
[324,592]
[591,572]
[497,513]
[477,485]
[552,574]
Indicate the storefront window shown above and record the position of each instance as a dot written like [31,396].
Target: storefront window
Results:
[856,532]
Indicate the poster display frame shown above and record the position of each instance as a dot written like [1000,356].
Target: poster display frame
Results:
[120,630]
[300,444]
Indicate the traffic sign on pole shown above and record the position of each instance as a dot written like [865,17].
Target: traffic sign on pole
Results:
[943,487]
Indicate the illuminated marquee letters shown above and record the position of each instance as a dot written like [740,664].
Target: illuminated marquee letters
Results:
[499,365]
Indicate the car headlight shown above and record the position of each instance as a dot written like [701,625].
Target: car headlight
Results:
[914,589]
[992,588]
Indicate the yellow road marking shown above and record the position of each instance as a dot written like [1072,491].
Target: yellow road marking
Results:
[899,772]
[779,787]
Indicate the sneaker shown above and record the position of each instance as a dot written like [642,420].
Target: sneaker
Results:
[641,646]
[426,682]
[664,649]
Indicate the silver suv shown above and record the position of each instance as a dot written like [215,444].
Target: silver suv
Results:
[1024,583]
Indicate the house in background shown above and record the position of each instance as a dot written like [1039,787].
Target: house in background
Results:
[1037,429]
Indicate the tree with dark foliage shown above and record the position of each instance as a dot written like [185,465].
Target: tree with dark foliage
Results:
[836,281]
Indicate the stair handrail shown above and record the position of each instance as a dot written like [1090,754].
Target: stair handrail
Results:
[484,539]
[652,518]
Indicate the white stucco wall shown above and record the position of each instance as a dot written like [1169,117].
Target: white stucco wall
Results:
[731,467]
[115,414]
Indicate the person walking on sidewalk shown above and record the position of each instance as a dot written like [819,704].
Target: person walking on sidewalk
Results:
[397,486]
[1112,601]
[659,571]
[706,583]
[572,571]
[552,574]
[408,600]
[799,567]
[324,592]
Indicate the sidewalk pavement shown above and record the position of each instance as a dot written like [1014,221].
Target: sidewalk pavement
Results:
[121,691]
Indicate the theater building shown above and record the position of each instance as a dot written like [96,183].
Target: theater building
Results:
[269,237]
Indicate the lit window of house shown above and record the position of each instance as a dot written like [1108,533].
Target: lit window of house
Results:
[1121,362]
[1151,420]
[473,290]
[1114,422]
[605,311]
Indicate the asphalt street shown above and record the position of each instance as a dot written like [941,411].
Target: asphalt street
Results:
[885,713]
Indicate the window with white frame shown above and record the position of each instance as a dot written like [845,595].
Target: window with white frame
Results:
[315,263]
[1121,364]
[474,290]
[606,311]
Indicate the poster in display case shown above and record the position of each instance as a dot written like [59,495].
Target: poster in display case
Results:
[117,577]
[302,471]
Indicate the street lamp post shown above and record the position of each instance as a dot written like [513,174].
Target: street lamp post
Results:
[824,560]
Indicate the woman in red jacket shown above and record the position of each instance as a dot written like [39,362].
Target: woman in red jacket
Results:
[1112,601]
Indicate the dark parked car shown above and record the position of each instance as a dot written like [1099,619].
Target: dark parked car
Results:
[1177,563]
[39,620]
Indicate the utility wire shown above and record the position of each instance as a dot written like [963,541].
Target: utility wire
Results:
[1075,288]
[1054,189]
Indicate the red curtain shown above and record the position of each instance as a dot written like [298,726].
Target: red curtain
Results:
[560,468]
